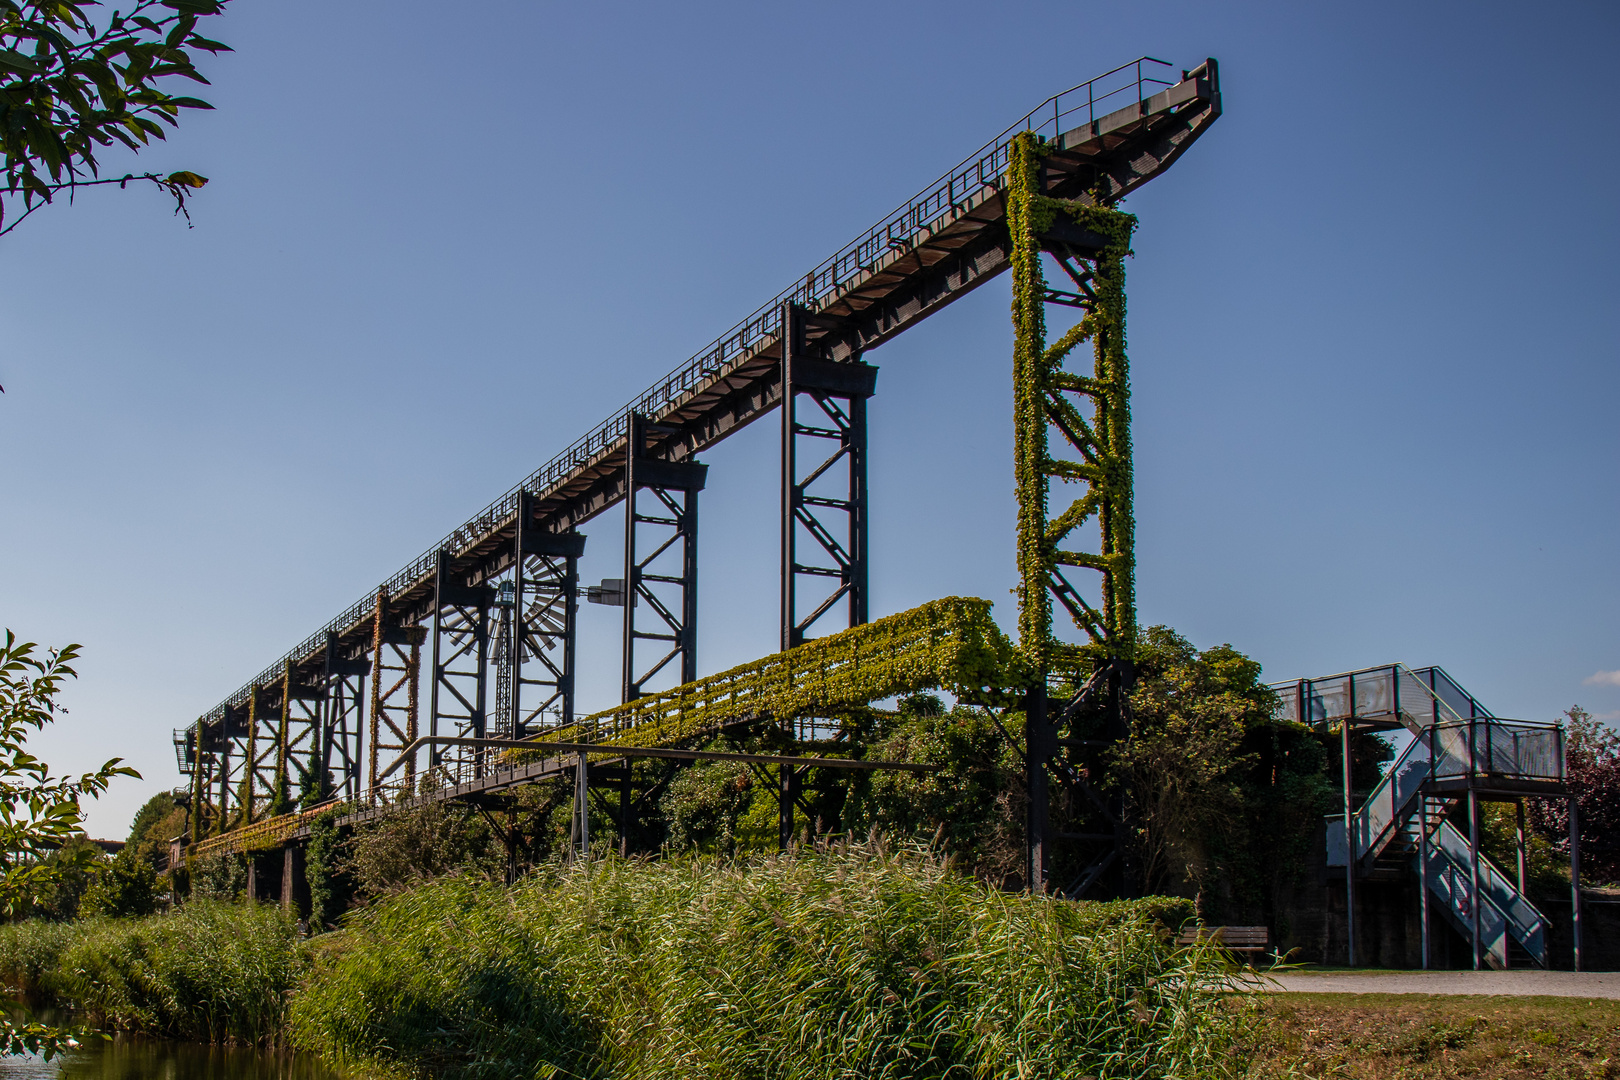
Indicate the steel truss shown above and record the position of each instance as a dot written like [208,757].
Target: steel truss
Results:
[461,639]
[534,641]
[1102,139]
[300,737]
[342,724]
[396,664]
[1089,413]
[664,579]
[837,423]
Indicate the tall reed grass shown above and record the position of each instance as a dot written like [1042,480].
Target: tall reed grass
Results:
[210,971]
[830,964]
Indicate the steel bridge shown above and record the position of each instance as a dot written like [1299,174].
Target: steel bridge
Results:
[423,686]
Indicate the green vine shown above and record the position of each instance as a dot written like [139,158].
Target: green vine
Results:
[1101,443]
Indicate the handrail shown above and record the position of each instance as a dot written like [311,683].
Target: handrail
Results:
[980,170]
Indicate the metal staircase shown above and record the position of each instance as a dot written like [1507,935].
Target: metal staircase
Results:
[1458,755]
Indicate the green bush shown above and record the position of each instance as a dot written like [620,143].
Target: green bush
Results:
[209,972]
[124,886]
[825,964]
[31,950]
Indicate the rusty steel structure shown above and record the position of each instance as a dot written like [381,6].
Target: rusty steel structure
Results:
[473,643]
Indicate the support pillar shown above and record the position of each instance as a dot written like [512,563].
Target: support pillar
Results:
[831,514]
[1519,846]
[1473,876]
[539,672]
[396,662]
[787,794]
[1423,871]
[1345,736]
[1089,413]
[581,829]
[1037,745]
[663,581]
[1575,876]
[342,720]
[457,693]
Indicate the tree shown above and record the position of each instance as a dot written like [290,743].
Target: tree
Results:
[40,814]
[125,886]
[1592,757]
[1183,761]
[70,85]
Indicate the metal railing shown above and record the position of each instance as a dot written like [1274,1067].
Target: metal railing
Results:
[1496,749]
[1416,698]
[963,186]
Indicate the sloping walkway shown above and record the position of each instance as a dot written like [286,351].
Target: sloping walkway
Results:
[1585,984]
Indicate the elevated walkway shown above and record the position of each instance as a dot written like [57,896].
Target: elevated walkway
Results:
[951,644]
[1459,755]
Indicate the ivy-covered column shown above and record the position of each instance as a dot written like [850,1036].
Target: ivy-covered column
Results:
[1089,414]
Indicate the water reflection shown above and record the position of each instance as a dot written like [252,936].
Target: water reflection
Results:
[128,1058]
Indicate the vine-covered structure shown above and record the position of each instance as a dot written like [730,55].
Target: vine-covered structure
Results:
[433,683]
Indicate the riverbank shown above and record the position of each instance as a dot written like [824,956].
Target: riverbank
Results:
[831,963]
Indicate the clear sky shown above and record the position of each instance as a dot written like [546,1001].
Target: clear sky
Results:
[1373,328]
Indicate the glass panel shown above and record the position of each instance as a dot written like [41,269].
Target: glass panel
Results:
[1453,695]
[1375,693]
[1329,699]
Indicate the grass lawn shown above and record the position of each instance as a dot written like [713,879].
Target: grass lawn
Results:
[1374,1036]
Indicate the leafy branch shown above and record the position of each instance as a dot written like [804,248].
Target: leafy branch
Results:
[69,86]
[39,812]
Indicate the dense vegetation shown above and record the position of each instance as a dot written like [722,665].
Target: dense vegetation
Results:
[830,963]
[210,971]
[836,961]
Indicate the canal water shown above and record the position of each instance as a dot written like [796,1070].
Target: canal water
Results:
[130,1058]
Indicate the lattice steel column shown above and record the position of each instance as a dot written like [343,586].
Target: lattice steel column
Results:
[460,636]
[342,720]
[669,589]
[832,515]
[263,750]
[396,660]
[1090,413]
[298,740]
[540,628]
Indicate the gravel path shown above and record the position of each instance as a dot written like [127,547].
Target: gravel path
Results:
[1586,984]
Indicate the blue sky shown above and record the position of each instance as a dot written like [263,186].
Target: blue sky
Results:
[1373,328]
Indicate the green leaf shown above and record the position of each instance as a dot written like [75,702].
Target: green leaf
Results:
[187,179]
[14,61]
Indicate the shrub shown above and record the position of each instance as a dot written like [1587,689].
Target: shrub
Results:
[825,964]
[31,950]
[124,886]
[209,972]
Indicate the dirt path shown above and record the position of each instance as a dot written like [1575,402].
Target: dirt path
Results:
[1586,984]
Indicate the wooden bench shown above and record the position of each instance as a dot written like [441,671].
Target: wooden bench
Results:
[1238,939]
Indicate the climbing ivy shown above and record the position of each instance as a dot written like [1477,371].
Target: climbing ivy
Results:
[1102,441]
[949,644]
